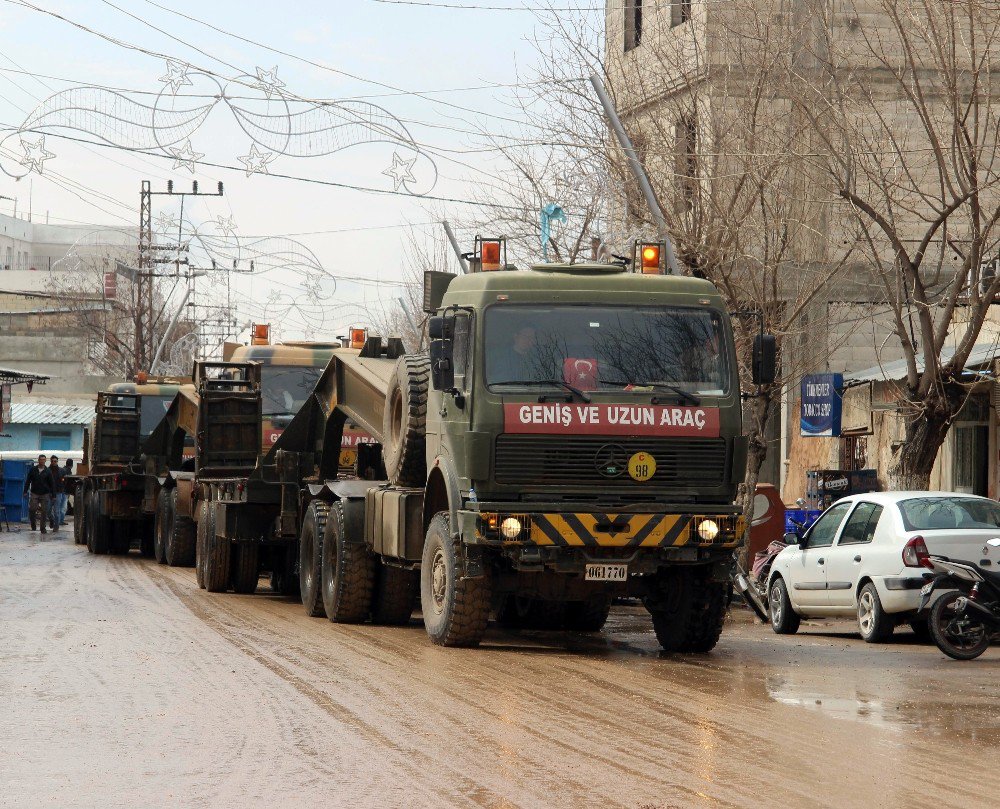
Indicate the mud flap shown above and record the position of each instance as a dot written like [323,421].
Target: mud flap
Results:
[472,562]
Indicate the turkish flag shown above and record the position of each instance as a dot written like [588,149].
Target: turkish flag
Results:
[581,372]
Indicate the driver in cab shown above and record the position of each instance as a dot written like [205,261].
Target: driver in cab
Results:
[519,363]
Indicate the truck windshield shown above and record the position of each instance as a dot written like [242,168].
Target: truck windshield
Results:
[153,410]
[284,388]
[608,347]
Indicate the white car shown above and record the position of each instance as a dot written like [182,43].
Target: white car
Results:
[864,556]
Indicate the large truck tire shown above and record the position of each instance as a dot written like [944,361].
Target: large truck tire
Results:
[161,524]
[99,540]
[456,610]
[403,425]
[347,569]
[246,568]
[217,572]
[80,514]
[180,547]
[589,615]
[311,557]
[396,591]
[200,546]
[689,612]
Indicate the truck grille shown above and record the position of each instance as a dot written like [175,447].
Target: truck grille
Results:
[573,460]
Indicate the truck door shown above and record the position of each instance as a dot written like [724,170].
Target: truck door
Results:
[456,406]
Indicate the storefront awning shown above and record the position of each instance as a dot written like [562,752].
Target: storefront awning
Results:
[10,376]
[982,354]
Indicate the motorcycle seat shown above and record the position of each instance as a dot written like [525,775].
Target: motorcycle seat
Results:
[992,578]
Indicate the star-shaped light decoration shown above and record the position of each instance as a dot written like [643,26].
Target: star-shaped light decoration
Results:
[268,81]
[166,222]
[176,75]
[256,162]
[401,171]
[185,156]
[226,225]
[35,153]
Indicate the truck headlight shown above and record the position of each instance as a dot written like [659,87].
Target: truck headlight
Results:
[511,528]
[708,530]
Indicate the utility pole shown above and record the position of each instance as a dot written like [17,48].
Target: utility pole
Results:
[145,330]
[638,171]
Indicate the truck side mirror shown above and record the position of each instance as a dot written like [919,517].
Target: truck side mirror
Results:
[442,367]
[435,327]
[765,359]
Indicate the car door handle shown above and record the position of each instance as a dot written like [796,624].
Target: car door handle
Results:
[820,561]
[857,558]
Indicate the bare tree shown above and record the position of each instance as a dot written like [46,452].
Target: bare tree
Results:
[904,112]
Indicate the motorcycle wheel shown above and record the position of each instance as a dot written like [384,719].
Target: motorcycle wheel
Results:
[957,635]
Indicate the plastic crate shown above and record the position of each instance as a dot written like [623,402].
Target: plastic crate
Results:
[798,519]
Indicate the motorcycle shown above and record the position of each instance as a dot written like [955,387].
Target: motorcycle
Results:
[966,618]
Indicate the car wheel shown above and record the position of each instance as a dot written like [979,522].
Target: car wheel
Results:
[874,623]
[784,619]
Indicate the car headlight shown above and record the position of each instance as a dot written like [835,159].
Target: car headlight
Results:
[511,527]
[708,530]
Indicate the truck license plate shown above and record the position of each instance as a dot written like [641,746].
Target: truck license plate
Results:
[606,573]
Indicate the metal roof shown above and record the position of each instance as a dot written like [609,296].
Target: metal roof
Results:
[980,355]
[14,377]
[32,413]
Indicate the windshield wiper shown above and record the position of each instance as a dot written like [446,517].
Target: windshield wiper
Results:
[582,394]
[658,385]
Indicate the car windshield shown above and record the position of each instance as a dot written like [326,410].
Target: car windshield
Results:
[942,513]
[608,347]
[284,388]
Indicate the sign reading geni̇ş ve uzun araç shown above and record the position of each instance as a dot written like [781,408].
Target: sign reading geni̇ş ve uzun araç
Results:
[820,404]
[611,419]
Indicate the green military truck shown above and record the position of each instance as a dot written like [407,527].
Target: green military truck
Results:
[572,435]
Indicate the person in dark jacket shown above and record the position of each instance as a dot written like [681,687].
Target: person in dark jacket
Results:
[58,493]
[39,486]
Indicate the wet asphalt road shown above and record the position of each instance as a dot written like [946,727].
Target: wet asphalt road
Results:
[125,685]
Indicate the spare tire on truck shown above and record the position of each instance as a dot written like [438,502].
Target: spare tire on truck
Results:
[403,425]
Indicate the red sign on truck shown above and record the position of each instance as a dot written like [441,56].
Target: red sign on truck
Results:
[611,419]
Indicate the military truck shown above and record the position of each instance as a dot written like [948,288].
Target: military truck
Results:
[126,414]
[573,434]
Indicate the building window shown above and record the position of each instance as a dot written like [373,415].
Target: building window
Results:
[680,13]
[686,160]
[7,265]
[58,440]
[633,24]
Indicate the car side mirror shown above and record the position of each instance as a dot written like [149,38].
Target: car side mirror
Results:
[765,359]
[791,538]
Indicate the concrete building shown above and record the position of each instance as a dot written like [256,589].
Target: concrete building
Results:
[41,287]
[681,74]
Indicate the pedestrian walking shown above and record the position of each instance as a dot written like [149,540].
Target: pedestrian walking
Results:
[67,471]
[39,488]
[57,508]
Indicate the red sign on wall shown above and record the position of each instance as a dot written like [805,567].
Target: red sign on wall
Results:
[110,285]
[611,419]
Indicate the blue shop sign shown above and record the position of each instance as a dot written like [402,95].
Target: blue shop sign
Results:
[821,398]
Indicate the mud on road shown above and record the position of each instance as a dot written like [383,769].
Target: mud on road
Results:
[126,685]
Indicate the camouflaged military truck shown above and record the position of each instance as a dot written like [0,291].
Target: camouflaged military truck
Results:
[573,434]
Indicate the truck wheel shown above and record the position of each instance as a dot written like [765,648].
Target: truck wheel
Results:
[688,613]
[311,557]
[396,591]
[80,515]
[216,572]
[589,615]
[100,527]
[404,420]
[456,610]
[246,568]
[200,548]
[179,550]
[347,571]
[160,526]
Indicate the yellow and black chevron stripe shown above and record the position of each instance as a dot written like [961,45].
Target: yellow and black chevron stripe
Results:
[630,530]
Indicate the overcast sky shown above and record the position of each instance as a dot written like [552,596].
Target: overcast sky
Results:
[412,48]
